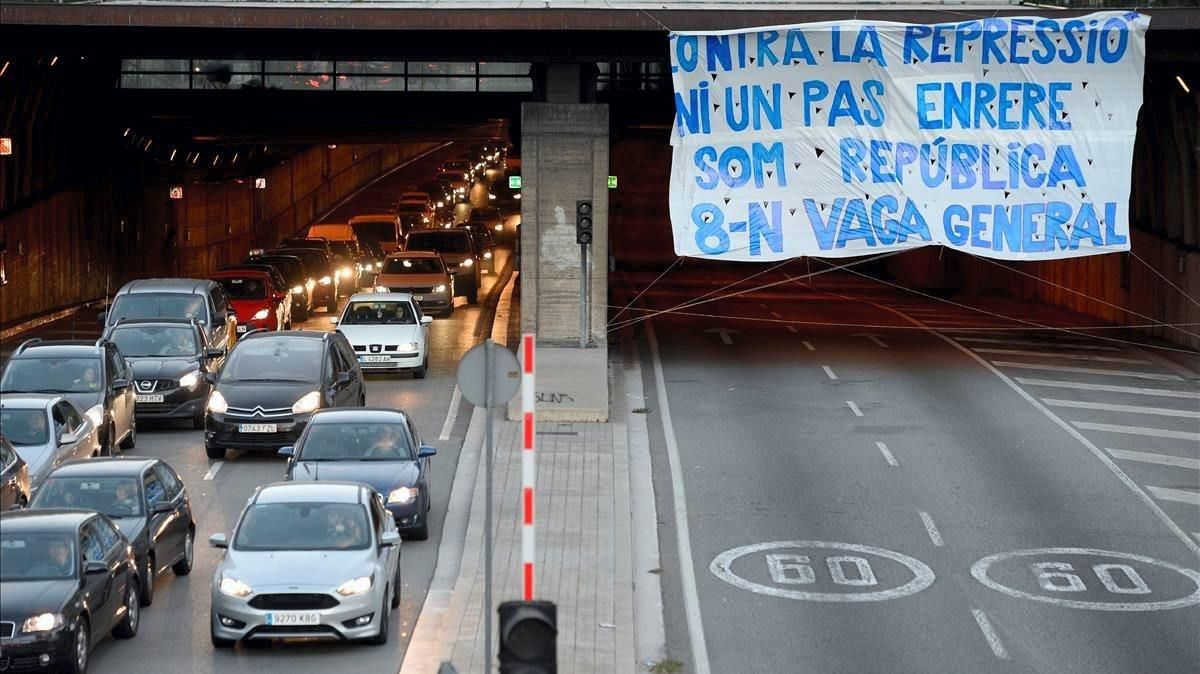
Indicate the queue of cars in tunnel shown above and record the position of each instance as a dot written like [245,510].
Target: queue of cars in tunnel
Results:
[222,355]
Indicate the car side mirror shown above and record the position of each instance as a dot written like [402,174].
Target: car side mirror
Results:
[102,317]
[425,451]
[288,451]
[210,378]
[389,538]
[120,384]
[333,320]
[162,507]
[426,320]
[68,438]
[214,353]
[231,313]
[92,568]
[218,541]
[343,378]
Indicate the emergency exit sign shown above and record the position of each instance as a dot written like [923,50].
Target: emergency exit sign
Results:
[5,146]
[514,182]
[612,182]
[176,192]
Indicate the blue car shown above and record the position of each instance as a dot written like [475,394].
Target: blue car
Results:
[377,447]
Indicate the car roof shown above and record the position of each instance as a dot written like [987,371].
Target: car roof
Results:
[373,217]
[166,285]
[28,401]
[59,349]
[288,334]
[240,271]
[45,519]
[435,231]
[160,320]
[381,297]
[350,415]
[413,253]
[312,492]
[104,466]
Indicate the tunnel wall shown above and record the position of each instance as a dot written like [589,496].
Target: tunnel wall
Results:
[77,246]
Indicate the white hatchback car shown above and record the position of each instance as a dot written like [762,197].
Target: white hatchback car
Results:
[388,332]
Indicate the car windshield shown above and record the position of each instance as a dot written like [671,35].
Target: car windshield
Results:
[379,313]
[113,496]
[356,442]
[410,221]
[136,341]
[375,230]
[158,305]
[342,250]
[274,359]
[25,428]
[52,375]
[36,556]
[413,265]
[410,209]
[244,288]
[303,526]
[442,242]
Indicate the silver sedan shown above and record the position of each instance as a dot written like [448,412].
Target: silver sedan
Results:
[307,560]
[47,430]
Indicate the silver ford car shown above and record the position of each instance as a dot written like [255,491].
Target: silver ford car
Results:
[307,560]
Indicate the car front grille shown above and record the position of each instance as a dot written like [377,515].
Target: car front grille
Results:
[293,601]
[392,347]
[7,629]
[267,631]
[22,663]
[258,412]
[154,385]
[415,291]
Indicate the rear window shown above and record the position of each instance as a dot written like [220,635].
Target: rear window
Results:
[413,265]
[375,230]
[448,242]
[158,305]
[244,288]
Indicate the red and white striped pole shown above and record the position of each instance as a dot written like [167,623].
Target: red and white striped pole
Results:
[528,464]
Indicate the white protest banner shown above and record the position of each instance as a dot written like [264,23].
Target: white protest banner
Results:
[1009,138]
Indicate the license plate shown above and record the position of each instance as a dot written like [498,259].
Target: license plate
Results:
[375,359]
[241,328]
[257,428]
[293,618]
[146,398]
[418,298]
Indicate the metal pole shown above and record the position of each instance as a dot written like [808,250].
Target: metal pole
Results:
[488,364]
[583,274]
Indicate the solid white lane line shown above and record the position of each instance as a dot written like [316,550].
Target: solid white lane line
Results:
[792,328]
[1065,356]
[809,346]
[887,454]
[1109,388]
[829,372]
[1026,342]
[1132,409]
[993,639]
[212,471]
[691,596]
[776,314]
[1161,459]
[1138,430]
[854,408]
[931,529]
[1088,370]
[1187,496]
[451,415]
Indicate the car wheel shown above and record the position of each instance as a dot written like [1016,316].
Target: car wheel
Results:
[288,325]
[331,306]
[198,422]
[147,581]
[300,314]
[214,452]
[396,589]
[419,373]
[362,399]
[131,439]
[217,641]
[82,649]
[473,293]
[184,566]
[381,638]
[128,627]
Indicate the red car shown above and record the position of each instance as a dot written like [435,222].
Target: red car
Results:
[259,303]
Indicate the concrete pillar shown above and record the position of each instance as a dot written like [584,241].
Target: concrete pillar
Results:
[564,159]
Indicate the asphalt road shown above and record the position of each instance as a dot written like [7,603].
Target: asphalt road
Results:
[856,484]
[174,634]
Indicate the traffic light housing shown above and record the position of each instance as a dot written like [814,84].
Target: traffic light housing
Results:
[583,221]
[528,632]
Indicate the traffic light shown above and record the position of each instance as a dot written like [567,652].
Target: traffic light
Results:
[528,630]
[583,221]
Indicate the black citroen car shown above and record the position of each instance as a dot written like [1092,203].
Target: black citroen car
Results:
[271,384]
[168,358]
[144,497]
[378,447]
[68,578]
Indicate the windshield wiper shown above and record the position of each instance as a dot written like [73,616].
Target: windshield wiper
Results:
[383,458]
[288,381]
[36,390]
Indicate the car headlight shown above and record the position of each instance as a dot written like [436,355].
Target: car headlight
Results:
[441,204]
[189,380]
[310,284]
[234,587]
[370,266]
[468,262]
[355,586]
[216,403]
[299,290]
[499,228]
[325,280]
[424,219]
[487,255]
[309,402]
[491,196]
[42,622]
[517,195]
[409,346]
[96,414]
[403,495]
[347,272]
[260,315]
[439,288]
[381,289]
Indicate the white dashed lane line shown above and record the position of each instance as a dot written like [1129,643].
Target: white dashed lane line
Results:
[887,454]
[854,408]
[931,529]
[212,471]
[993,639]
[829,372]
[809,346]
